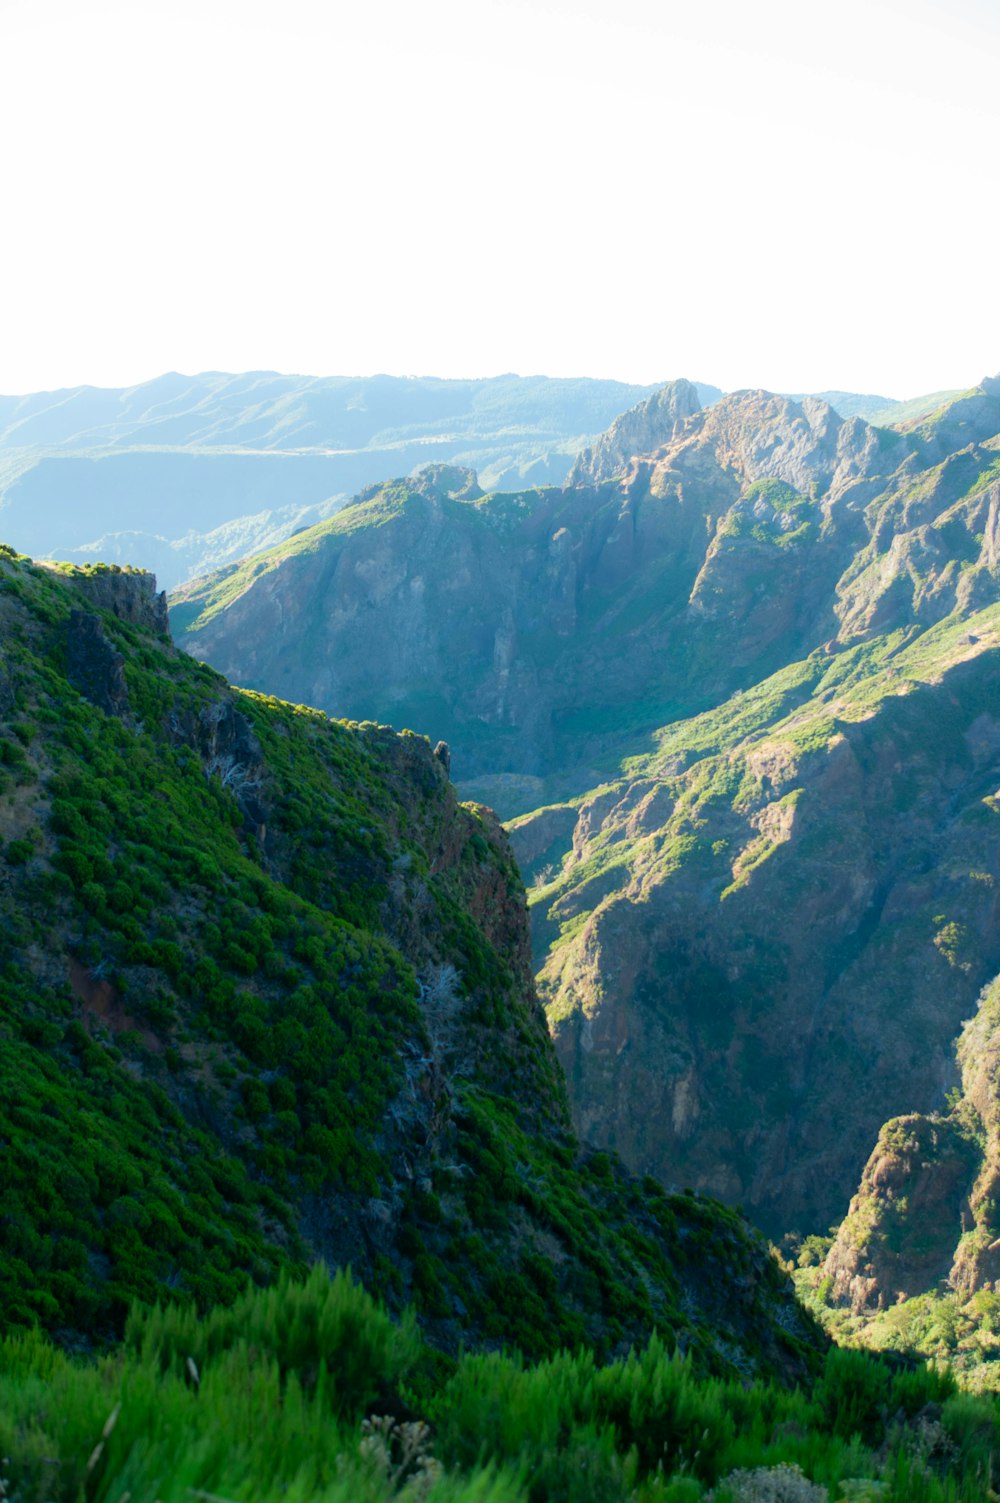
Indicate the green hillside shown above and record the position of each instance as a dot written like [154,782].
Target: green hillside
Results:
[267,999]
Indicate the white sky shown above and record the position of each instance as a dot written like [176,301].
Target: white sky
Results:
[749,192]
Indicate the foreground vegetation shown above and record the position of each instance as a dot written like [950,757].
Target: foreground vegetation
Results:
[310,1391]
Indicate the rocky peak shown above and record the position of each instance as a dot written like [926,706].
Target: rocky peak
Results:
[807,445]
[641,430]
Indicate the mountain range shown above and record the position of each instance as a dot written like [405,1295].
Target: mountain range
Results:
[184,474]
[733,686]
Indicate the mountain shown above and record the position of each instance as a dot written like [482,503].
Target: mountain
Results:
[641,430]
[265,998]
[536,631]
[738,703]
[542,633]
[926,1211]
[186,473]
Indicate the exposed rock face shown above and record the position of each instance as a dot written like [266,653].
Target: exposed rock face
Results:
[93,665]
[530,629]
[926,1212]
[229,750]
[541,838]
[641,430]
[771,951]
[130,594]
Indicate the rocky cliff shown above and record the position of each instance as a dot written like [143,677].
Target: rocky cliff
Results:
[926,1213]
[758,947]
[642,430]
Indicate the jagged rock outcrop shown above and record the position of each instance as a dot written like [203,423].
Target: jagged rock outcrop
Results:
[641,430]
[926,1212]
[129,594]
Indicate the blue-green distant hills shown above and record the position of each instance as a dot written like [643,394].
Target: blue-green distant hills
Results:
[185,473]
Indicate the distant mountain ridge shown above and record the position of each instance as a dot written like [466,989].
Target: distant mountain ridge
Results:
[554,586]
[185,473]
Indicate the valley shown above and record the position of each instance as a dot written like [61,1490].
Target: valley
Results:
[758,928]
[732,686]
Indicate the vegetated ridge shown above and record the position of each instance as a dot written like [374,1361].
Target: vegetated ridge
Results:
[267,998]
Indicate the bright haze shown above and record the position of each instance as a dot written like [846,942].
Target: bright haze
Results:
[793,195]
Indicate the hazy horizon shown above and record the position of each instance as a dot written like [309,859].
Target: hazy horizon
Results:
[462,376]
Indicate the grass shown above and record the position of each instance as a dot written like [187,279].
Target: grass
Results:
[310,1392]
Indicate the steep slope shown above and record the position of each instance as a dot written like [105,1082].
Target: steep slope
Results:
[543,632]
[926,1212]
[762,940]
[758,927]
[266,997]
[186,473]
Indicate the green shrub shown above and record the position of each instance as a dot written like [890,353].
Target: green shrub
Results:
[327,1331]
[852,1394]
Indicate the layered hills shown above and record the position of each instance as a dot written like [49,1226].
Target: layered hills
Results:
[266,998]
[539,629]
[185,473]
[737,695]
